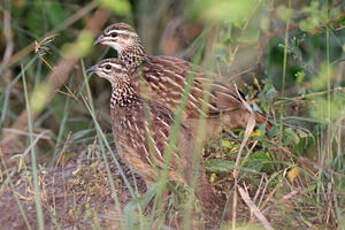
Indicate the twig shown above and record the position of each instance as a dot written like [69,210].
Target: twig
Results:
[305,160]
[248,153]
[9,39]
[33,143]
[63,149]
[24,133]
[312,95]
[254,208]
[291,194]
[329,208]
[249,129]
[270,195]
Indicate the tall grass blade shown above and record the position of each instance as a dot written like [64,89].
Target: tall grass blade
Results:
[37,194]
[8,90]
[286,48]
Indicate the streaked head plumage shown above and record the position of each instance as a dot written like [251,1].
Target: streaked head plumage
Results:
[112,69]
[119,36]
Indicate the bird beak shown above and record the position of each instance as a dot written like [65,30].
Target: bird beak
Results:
[99,39]
[91,69]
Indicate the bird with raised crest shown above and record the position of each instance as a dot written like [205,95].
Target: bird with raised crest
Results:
[165,79]
[142,129]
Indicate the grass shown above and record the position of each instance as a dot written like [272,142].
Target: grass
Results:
[37,191]
[290,177]
[286,47]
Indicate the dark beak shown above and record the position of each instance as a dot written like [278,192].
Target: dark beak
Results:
[91,69]
[99,39]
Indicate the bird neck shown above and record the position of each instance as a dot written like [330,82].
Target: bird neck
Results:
[133,55]
[123,94]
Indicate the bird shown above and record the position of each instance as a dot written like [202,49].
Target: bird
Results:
[141,130]
[164,78]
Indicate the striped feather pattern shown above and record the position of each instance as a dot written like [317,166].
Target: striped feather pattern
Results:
[163,79]
[143,139]
[171,75]
[142,129]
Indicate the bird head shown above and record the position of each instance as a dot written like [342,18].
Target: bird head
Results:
[111,69]
[119,36]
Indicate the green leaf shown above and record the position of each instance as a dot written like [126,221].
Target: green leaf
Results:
[259,160]
[226,144]
[121,7]
[300,77]
[131,217]
[311,187]
[291,136]
[219,165]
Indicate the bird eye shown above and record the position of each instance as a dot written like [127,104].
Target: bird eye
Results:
[108,67]
[114,34]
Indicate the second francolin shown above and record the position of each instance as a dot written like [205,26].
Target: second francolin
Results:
[142,130]
[165,78]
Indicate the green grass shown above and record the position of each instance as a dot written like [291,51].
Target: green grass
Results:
[37,191]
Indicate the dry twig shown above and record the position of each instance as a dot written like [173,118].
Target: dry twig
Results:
[9,39]
[254,209]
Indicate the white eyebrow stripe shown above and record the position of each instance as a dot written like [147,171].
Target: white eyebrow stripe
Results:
[116,66]
[122,32]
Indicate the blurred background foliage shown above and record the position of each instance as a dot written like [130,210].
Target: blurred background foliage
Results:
[287,56]
[239,35]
